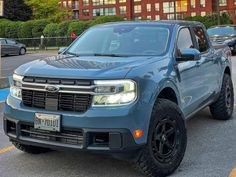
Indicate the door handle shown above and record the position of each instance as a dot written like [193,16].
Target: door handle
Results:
[198,63]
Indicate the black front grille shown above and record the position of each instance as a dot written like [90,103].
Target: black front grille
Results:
[42,80]
[57,101]
[73,137]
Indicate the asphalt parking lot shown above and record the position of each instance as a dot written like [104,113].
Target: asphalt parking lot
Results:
[211,150]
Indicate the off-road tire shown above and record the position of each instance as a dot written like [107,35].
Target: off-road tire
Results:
[30,149]
[223,108]
[147,162]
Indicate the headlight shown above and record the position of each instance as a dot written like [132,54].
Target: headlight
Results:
[15,89]
[229,41]
[114,93]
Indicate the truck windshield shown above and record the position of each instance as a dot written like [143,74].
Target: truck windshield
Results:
[221,31]
[122,41]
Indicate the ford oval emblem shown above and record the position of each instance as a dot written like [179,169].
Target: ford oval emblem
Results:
[52,88]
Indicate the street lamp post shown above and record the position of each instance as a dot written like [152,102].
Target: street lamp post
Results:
[1,15]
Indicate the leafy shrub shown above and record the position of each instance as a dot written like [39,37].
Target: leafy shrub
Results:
[105,19]
[51,30]
[38,27]
[25,29]
[62,28]
[211,20]
[11,30]
[3,25]
[77,27]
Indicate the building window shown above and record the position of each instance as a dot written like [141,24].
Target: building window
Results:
[157,6]
[168,7]
[148,7]
[137,9]
[137,18]
[193,14]
[76,4]
[122,9]
[64,4]
[97,2]
[149,17]
[223,11]
[203,14]
[69,4]
[170,16]
[109,1]
[234,2]
[98,12]
[85,2]
[122,1]
[157,17]
[193,3]
[85,12]
[223,2]
[76,14]
[110,11]
[181,6]
[203,3]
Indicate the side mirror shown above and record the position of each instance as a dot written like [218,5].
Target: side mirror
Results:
[61,50]
[189,54]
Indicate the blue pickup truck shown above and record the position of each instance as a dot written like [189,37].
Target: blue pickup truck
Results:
[123,89]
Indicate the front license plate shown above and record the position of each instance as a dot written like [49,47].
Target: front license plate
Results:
[50,122]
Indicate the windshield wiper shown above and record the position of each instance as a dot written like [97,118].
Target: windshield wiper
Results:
[71,53]
[110,55]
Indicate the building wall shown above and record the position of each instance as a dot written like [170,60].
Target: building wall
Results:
[148,9]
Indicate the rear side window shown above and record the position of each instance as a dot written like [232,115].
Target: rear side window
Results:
[201,39]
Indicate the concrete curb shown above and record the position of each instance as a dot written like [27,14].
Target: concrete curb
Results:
[4,83]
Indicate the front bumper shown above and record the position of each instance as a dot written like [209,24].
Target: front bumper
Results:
[98,129]
[84,139]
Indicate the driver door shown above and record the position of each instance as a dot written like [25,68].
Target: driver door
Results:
[190,74]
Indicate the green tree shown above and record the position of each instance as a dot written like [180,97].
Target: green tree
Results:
[47,9]
[17,10]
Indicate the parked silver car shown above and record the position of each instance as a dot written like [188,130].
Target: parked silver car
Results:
[12,47]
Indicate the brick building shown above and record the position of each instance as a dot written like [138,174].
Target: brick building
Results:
[148,9]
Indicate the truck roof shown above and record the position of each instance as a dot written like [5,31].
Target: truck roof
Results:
[160,22]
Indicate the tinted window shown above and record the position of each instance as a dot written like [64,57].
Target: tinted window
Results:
[201,39]
[123,40]
[184,40]
[11,42]
[2,41]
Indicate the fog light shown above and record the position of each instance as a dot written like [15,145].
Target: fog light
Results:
[138,133]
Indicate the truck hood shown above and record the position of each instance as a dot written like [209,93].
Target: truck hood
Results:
[86,67]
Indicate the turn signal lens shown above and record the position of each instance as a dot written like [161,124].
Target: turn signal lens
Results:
[138,133]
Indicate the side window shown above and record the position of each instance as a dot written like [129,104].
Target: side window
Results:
[184,40]
[201,39]
[2,41]
[11,42]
